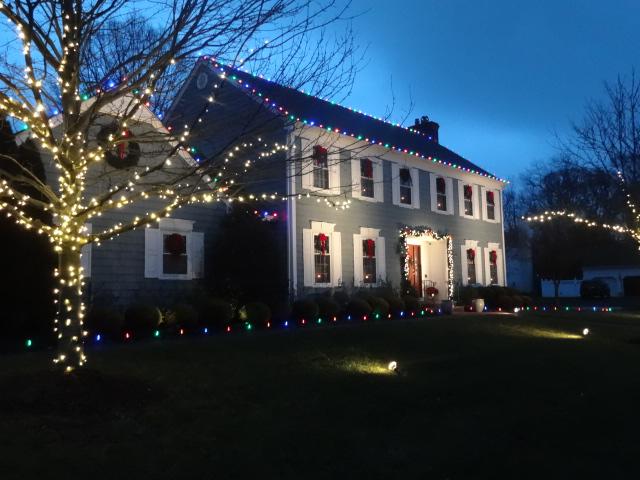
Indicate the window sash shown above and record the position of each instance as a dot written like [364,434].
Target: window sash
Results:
[405,194]
[321,263]
[468,206]
[441,201]
[493,273]
[471,271]
[369,273]
[320,168]
[174,264]
[491,206]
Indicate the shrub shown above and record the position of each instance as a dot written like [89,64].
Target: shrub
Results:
[105,321]
[327,307]
[467,294]
[396,305]
[305,308]
[186,315]
[357,307]
[367,296]
[255,312]
[215,312]
[142,318]
[341,297]
[527,301]
[411,303]
[379,306]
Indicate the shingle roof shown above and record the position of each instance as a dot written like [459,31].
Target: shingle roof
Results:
[315,111]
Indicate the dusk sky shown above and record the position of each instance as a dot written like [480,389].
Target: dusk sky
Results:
[499,76]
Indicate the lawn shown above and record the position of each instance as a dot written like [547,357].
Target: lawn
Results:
[475,396]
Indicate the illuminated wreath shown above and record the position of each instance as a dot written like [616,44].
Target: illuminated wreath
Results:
[431,291]
[125,154]
[175,244]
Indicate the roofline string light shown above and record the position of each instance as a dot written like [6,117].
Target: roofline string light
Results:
[285,112]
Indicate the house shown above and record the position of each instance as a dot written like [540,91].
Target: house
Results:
[366,202]
[361,202]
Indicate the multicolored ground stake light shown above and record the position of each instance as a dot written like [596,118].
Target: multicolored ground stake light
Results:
[128,335]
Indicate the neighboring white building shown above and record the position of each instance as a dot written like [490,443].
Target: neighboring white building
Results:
[613,275]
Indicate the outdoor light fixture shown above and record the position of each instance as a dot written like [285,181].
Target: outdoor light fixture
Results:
[516,310]
[393,366]
[585,332]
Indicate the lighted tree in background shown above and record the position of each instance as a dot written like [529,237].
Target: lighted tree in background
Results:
[603,150]
[77,60]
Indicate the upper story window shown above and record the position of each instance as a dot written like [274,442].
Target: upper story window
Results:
[468,200]
[320,167]
[369,271]
[321,258]
[441,194]
[491,205]
[174,254]
[366,178]
[406,186]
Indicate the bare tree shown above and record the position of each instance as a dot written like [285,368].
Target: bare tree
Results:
[65,72]
[603,150]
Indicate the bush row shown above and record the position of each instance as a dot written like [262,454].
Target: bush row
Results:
[494,297]
[144,319]
[377,302]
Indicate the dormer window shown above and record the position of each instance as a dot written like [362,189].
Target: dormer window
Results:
[441,194]
[320,167]
[366,178]
[468,200]
[406,185]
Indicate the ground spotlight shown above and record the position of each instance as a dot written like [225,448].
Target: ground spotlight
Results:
[393,366]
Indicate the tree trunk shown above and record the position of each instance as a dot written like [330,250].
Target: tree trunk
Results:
[70,312]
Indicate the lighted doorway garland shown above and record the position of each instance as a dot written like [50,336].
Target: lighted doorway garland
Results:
[417,232]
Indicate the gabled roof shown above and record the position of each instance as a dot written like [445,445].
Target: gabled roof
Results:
[314,111]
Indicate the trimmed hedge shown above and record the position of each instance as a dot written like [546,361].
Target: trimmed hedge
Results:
[185,315]
[358,307]
[411,303]
[327,307]
[379,306]
[255,312]
[305,308]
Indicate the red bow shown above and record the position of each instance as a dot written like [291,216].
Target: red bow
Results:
[490,197]
[322,239]
[370,247]
[471,254]
[493,257]
[468,192]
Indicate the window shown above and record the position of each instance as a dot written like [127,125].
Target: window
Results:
[320,167]
[471,266]
[406,186]
[493,267]
[468,200]
[321,258]
[369,274]
[441,194]
[173,251]
[366,178]
[491,205]
[174,254]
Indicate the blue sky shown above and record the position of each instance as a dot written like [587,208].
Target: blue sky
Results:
[501,77]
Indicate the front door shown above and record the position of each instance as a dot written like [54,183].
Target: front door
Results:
[415,268]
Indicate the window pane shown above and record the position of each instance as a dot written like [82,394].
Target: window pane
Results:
[405,195]
[491,206]
[493,270]
[320,167]
[322,259]
[369,274]
[174,264]
[468,207]
[366,178]
[471,271]
[441,202]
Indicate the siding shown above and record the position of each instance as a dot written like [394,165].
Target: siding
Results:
[390,218]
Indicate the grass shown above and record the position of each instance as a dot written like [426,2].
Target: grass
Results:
[491,396]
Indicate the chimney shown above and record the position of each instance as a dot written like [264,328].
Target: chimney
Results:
[428,127]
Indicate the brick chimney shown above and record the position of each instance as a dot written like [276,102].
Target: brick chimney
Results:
[428,127]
